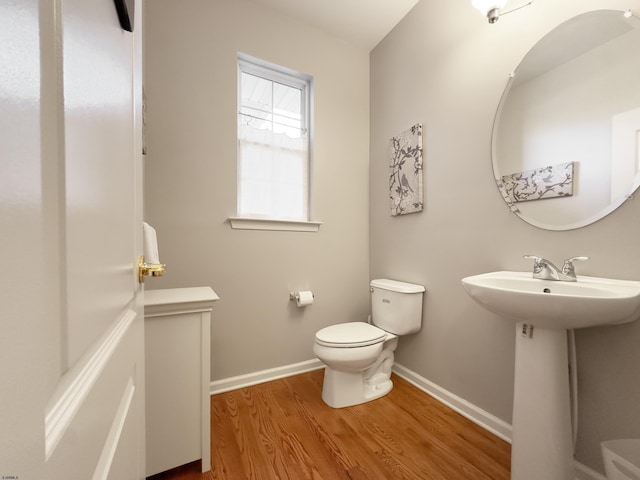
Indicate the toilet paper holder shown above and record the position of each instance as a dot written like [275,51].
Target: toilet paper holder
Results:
[296,296]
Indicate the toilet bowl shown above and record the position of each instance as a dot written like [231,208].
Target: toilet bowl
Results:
[358,358]
[358,355]
[621,458]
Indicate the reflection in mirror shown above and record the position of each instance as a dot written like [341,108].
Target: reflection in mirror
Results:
[573,100]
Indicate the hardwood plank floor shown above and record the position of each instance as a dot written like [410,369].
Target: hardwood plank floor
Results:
[283,430]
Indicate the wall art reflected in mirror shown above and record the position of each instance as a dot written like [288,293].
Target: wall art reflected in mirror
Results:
[573,100]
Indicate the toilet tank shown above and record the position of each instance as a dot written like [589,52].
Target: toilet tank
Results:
[396,307]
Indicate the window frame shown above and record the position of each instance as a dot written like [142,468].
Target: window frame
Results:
[291,78]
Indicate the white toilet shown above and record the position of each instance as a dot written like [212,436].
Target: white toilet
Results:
[358,355]
[621,458]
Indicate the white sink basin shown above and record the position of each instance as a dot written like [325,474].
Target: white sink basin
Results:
[552,304]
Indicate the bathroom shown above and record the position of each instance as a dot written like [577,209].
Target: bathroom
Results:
[443,66]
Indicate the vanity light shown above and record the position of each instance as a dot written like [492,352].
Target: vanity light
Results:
[492,9]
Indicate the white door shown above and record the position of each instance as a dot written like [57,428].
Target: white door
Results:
[71,320]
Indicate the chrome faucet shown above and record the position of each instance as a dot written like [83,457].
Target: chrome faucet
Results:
[546,270]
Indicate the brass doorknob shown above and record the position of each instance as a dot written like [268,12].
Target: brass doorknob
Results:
[153,269]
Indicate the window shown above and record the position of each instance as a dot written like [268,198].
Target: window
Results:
[273,142]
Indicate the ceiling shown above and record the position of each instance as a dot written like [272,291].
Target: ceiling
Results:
[364,22]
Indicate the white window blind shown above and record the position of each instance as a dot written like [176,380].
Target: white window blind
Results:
[273,142]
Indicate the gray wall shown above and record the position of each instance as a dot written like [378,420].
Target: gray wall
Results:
[446,67]
[190,184]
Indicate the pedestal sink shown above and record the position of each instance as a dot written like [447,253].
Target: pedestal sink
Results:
[542,311]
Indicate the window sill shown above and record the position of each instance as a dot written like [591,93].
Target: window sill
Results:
[238,223]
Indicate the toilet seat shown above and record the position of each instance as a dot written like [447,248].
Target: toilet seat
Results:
[350,335]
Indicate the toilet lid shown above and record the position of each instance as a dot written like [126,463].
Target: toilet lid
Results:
[352,334]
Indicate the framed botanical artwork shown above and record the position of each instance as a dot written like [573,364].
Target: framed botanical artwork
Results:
[405,172]
[546,182]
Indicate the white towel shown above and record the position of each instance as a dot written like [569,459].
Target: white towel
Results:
[150,244]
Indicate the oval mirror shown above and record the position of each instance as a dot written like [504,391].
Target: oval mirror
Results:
[566,134]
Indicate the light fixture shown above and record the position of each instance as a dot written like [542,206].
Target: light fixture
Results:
[492,9]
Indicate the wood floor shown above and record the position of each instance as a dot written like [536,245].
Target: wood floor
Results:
[283,430]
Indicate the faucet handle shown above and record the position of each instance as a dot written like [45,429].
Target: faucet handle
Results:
[568,268]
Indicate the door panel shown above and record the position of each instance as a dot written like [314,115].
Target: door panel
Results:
[94,422]
[100,434]
[71,217]
[29,350]
[99,169]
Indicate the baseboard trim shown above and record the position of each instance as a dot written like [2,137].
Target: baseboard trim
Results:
[484,419]
[473,413]
[489,422]
[478,416]
[241,381]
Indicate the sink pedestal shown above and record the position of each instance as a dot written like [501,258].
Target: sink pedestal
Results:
[542,446]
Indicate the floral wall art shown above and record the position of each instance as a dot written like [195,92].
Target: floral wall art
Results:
[405,172]
[546,182]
